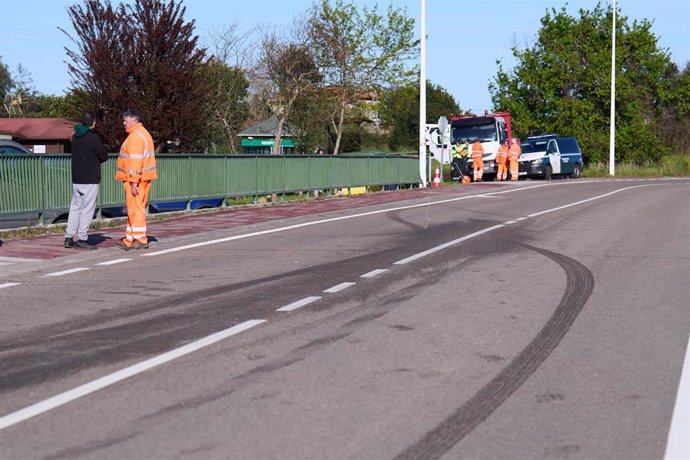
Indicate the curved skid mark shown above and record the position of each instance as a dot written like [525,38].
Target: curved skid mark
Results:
[579,286]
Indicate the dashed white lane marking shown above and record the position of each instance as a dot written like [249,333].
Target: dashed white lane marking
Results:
[374,273]
[519,219]
[110,379]
[510,222]
[447,245]
[334,219]
[67,272]
[6,285]
[678,444]
[339,287]
[299,303]
[113,262]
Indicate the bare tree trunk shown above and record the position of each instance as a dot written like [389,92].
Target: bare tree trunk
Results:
[339,131]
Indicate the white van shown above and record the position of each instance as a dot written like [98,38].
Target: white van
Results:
[549,155]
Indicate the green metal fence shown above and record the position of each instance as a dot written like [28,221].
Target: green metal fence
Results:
[41,184]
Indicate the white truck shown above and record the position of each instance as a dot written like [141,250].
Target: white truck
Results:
[491,129]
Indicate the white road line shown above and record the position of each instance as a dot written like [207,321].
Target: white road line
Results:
[110,379]
[510,222]
[374,273]
[67,272]
[587,200]
[447,245]
[678,444]
[113,262]
[324,221]
[299,303]
[521,219]
[339,287]
[6,285]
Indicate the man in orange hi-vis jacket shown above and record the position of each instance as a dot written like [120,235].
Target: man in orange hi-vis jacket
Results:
[514,156]
[478,159]
[501,160]
[136,168]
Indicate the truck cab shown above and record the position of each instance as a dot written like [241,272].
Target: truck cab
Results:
[550,155]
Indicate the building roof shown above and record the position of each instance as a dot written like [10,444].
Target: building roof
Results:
[266,128]
[37,128]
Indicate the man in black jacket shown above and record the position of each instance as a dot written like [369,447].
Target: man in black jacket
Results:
[88,152]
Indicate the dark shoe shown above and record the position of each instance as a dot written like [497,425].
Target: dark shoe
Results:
[139,245]
[122,245]
[81,244]
[69,243]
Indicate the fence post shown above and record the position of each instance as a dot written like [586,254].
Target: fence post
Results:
[43,187]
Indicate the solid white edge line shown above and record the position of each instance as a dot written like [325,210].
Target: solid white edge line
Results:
[678,444]
[110,379]
[67,272]
[374,273]
[299,303]
[113,262]
[6,285]
[339,287]
[324,221]
[587,200]
[510,222]
[446,245]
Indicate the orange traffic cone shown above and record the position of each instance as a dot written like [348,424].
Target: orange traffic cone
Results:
[437,178]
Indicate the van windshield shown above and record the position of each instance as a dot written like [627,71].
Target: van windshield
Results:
[534,146]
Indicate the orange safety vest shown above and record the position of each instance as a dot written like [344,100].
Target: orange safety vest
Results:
[477,151]
[502,155]
[137,161]
[515,152]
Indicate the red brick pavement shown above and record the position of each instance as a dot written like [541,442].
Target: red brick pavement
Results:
[50,246]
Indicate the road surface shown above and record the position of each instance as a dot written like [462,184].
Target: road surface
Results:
[523,321]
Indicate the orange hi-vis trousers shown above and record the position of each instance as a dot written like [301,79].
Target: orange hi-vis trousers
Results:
[478,171]
[502,173]
[136,212]
[514,170]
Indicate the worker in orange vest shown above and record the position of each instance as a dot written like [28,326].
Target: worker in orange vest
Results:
[136,168]
[514,156]
[501,160]
[478,159]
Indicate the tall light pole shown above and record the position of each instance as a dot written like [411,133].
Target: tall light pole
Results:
[422,98]
[612,129]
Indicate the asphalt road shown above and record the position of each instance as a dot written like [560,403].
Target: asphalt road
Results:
[536,320]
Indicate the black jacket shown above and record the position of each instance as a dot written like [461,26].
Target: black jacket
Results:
[88,152]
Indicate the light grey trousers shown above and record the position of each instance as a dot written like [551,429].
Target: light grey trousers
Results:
[81,210]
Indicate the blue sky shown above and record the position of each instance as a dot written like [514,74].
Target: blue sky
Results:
[465,37]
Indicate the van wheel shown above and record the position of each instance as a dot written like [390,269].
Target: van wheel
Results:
[576,172]
[548,172]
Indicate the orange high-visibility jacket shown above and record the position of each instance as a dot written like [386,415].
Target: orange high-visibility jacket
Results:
[477,151]
[515,152]
[137,161]
[502,155]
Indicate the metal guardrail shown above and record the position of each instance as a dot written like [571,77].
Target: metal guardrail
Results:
[41,184]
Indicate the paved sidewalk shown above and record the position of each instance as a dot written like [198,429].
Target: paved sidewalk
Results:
[50,246]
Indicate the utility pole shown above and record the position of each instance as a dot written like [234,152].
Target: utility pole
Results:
[612,129]
[422,98]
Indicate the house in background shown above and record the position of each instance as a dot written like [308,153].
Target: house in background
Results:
[41,135]
[259,139]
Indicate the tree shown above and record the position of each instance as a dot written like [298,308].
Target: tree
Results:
[286,70]
[5,79]
[359,52]
[562,84]
[227,104]
[141,56]
[400,112]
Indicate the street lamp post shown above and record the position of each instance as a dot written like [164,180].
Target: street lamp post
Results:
[422,98]
[612,129]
